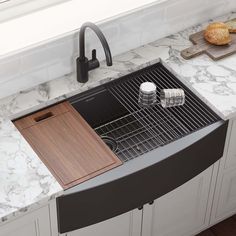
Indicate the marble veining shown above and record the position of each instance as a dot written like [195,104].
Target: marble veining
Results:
[25,182]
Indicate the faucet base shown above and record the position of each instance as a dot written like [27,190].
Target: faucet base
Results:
[82,67]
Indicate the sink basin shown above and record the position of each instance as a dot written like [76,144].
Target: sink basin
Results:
[116,126]
[112,110]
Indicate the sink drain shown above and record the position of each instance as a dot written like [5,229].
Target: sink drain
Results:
[110,142]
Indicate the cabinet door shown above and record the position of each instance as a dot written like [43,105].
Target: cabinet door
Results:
[226,205]
[128,224]
[180,212]
[225,194]
[36,223]
[231,151]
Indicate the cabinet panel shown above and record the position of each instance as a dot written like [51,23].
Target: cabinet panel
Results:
[225,193]
[231,153]
[128,224]
[36,223]
[227,197]
[180,212]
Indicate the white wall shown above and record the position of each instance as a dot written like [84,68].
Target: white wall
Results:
[10,9]
[56,59]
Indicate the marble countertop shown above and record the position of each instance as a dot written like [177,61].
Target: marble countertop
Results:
[25,182]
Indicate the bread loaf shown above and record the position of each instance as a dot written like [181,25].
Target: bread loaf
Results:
[231,25]
[217,33]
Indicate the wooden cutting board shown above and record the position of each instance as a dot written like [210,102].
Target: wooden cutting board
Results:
[67,145]
[201,46]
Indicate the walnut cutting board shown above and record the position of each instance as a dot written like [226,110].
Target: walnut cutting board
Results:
[201,46]
[67,145]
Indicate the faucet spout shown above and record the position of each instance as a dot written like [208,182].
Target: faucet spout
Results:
[82,62]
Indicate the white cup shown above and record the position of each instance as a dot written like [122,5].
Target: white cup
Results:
[147,94]
[172,97]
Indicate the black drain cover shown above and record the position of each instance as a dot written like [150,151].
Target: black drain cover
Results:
[110,142]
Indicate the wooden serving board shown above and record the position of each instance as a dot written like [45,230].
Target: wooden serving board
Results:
[201,46]
[67,145]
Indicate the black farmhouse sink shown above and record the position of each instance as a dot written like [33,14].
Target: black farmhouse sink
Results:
[161,148]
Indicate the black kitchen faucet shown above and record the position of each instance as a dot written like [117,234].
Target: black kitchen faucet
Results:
[83,65]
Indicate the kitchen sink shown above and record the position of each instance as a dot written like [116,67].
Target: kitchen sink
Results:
[130,130]
[161,148]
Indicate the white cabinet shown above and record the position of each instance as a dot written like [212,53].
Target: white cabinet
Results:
[36,223]
[180,212]
[128,224]
[225,194]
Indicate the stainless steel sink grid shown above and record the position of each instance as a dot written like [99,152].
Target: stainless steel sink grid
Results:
[145,129]
[113,111]
[139,132]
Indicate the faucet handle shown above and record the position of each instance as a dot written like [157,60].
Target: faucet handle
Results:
[94,54]
[93,63]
